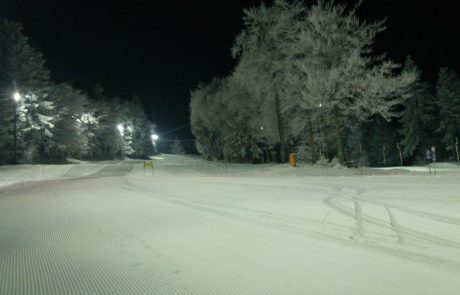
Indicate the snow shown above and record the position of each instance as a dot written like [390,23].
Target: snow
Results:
[198,227]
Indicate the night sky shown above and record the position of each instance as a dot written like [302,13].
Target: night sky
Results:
[160,50]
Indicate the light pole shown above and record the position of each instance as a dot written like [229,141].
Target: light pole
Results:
[17,98]
[154,138]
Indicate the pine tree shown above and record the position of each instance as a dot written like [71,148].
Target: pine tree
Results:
[177,148]
[205,107]
[107,140]
[418,120]
[117,128]
[56,121]
[448,98]
[88,124]
[7,109]
[22,70]
[143,129]
[242,126]
[69,137]
[379,142]
[35,127]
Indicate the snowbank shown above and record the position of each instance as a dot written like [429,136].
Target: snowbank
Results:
[195,166]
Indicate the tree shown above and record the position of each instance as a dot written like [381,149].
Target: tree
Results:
[418,120]
[379,142]
[224,129]
[242,127]
[22,69]
[307,69]
[264,64]
[56,121]
[117,128]
[448,98]
[107,140]
[69,113]
[335,69]
[143,129]
[177,148]
[205,107]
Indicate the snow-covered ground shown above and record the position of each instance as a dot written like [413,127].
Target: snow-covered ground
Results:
[198,227]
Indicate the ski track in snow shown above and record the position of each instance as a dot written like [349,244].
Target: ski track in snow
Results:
[54,241]
[391,224]
[331,201]
[279,221]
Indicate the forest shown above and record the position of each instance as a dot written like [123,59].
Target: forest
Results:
[44,122]
[307,82]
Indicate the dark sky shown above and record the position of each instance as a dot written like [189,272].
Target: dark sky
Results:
[162,49]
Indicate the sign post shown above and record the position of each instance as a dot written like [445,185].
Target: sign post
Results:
[149,165]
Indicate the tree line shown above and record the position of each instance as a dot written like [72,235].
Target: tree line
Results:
[45,122]
[307,81]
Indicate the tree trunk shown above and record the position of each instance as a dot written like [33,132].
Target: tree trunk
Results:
[338,138]
[283,155]
[322,152]
[313,148]
[400,154]
[384,156]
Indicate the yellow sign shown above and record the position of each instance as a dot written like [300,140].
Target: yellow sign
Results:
[148,164]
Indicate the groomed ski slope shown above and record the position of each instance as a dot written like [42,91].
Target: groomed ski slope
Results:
[197,227]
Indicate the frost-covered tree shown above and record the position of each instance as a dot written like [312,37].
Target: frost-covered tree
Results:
[265,65]
[56,121]
[448,98]
[143,128]
[88,124]
[22,70]
[69,134]
[125,118]
[419,116]
[108,138]
[35,126]
[116,128]
[229,131]
[334,69]
[258,114]
[242,126]
[127,135]
[205,108]
[308,70]
[379,139]
[177,148]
